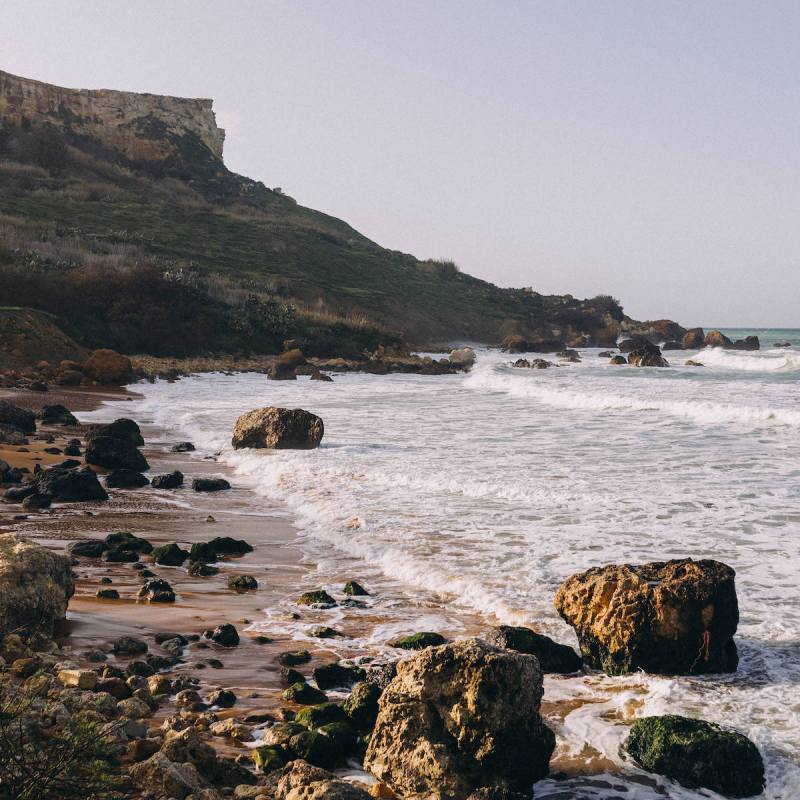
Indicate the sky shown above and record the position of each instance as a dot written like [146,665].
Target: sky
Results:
[648,150]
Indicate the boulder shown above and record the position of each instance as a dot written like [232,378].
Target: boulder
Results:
[182,447]
[87,548]
[228,546]
[58,415]
[157,590]
[355,589]
[717,339]
[316,375]
[242,583]
[210,484]
[122,478]
[128,542]
[112,453]
[646,355]
[318,598]
[304,694]
[302,781]
[361,705]
[748,343]
[697,754]
[618,361]
[70,486]
[224,635]
[122,428]
[108,367]
[458,718]
[694,339]
[418,641]
[172,480]
[278,429]
[162,778]
[633,343]
[170,555]
[463,358]
[330,676]
[35,586]
[669,618]
[553,657]
[17,418]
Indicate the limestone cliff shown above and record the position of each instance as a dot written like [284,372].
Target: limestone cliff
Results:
[139,127]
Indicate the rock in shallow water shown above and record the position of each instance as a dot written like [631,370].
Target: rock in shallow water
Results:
[697,754]
[459,718]
[670,618]
[278,428]
[553,657]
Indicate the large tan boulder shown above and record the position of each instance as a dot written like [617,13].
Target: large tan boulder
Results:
[666,617]
[717,339]
[278,429]
[301,781]
[464,357]
[163,778]
[108,367]
[694,339]
[458,718]
[35,586]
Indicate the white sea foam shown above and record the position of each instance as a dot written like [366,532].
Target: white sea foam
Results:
[478,494]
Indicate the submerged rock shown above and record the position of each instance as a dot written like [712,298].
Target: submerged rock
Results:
[553,657]
[458,718]
[278,429]
[697,754]
[35,586]
[670,618]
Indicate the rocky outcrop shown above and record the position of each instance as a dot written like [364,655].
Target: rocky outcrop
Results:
[111,453]
[278,429]
[519,344]
[17,418]
[670,618]
[301,781]
[139,127]
[69,485]
[646,355]
[717,339]
[694,339]
[35,586]
[460,717]
[697,754]
[748,343]
[108,367]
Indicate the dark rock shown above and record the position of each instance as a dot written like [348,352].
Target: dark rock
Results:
[107,594]
[87,548]
[519,344]
[228,546]
[553,657]
[316,375]
[18,494]
[202,570]
[646,355]
[125,479]
[323,631]
[278,428]
[116,556]
[225,635]
[36,501]
[58,415]
[323,714]
[165,636]
[418,641]
[130,646]
[70,463]
[304,694]
[331,676]
[123,428]
[210,484]
[124,540]
[157,590]
[361,706]
[19,419]
[294,658]
[697,754]
[203,552]
[105,451]
[618,360]
[53,451]
[498,793]
[605,354]
[182,447]
[172,480]
[69,486]
[355,589]
[242,583]
[748,343]
[170,555]
[381,674]
[73,448]
[318,598]
[290,676]
[669,618]
[222,698]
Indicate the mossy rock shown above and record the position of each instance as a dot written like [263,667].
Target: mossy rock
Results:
[316,716]
[292,658]
[280,733]
[324,632]
[361,706]
[290,676]
[202,570]
[318,597]
[242,583]
[330,676]
[697,754]
[268,758]
[325,746]
[419,641]
[203,552]
[170,555]
[355,589]
[115,556]
[304,694]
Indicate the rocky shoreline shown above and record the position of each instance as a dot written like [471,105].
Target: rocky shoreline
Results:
[176,707]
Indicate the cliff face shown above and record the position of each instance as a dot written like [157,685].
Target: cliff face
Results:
[139,127]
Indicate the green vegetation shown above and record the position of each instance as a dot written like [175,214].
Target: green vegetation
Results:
[180,262]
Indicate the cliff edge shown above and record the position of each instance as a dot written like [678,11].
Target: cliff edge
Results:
[138,127]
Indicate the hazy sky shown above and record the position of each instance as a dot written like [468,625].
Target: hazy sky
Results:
[645,149]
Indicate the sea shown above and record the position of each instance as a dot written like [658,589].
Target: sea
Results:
[473,496]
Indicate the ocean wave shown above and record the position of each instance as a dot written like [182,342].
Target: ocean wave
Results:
[587,398]
[777,360]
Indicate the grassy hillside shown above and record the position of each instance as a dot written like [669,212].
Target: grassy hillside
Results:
[194,258]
